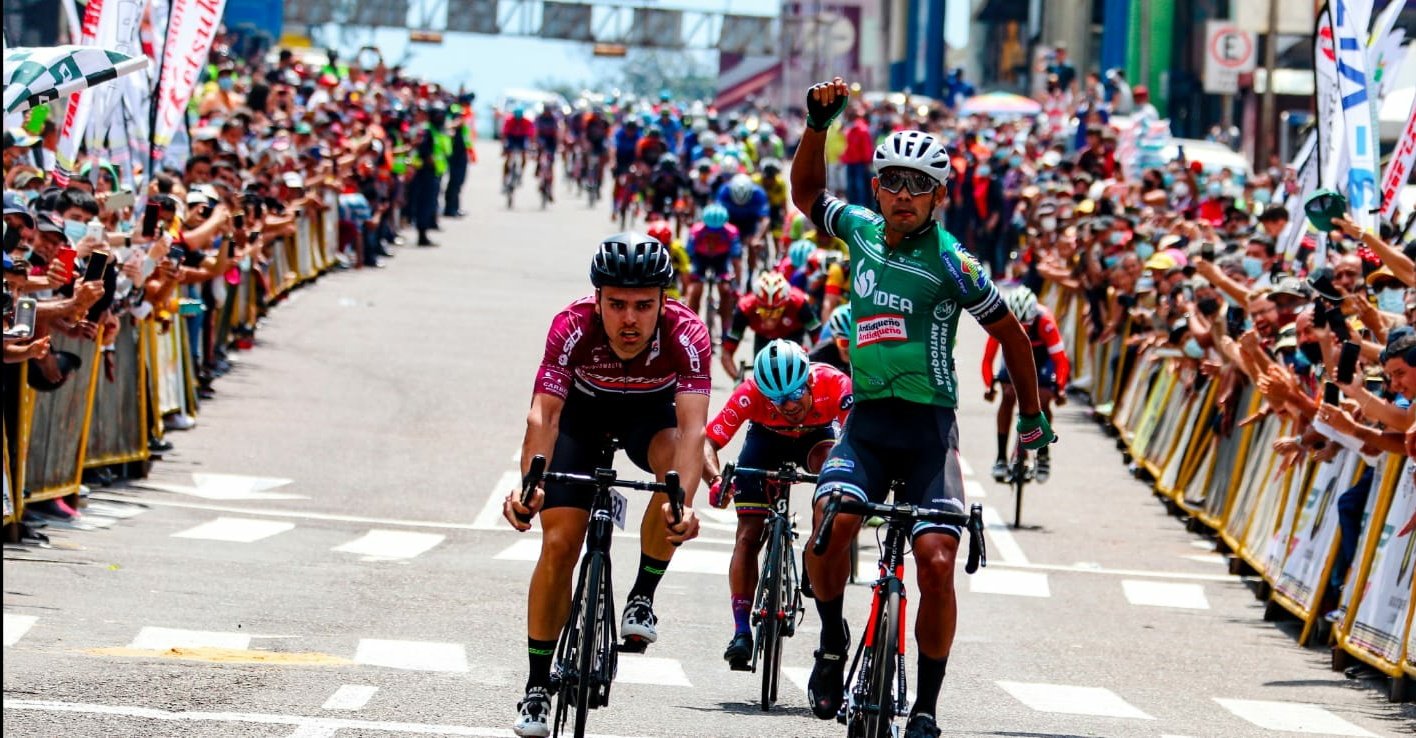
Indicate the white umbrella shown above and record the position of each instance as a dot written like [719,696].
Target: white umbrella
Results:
[34,76]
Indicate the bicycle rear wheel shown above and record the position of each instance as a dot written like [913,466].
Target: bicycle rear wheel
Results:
[1020,471]
[769,628]
[585,686]
[879,704]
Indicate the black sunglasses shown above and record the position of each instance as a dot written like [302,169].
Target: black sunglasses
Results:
[918,183]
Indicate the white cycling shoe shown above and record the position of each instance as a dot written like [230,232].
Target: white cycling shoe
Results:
[638,621]
[535,709]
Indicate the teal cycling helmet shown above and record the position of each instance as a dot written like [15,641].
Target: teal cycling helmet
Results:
[715,216]
[781,370]
[800,252]
[840,322]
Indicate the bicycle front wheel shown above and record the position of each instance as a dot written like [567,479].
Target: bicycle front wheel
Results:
[879,706]
[769,628]
[590,607]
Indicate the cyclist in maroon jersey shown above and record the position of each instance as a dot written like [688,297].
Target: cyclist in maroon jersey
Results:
[626,363]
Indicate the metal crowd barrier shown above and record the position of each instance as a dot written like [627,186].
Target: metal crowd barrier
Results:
[1207,444]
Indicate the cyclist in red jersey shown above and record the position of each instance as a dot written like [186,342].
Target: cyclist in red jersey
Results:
[1050,356]
[794,409]
[775,309]
[630,364]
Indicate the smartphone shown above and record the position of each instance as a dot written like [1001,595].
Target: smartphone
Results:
[148,267]
[1347,362]
[193,258]
[150,215]
[1207,251]
[66,256]
[97,264]
[177,254]
[95,230]
[1338,323]
[24,318]
[1375,385]
[117,201]
[1331,394]
[110,286]
[240,221]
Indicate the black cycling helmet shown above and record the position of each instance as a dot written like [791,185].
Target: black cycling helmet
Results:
[631,260]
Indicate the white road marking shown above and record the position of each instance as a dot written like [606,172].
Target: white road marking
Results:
[16,626]
[391,544]
[974,490]
[147,713]
[314,731]
[161,639]
[490,518]
[1002,546]
[1010,582]
[227,487]
[686,560]
[113,510]
[797,675]
[350,697]
[1079,569]
[412,655]
[1205,545]
[1293,717]
[635,669]
[964,467]
[1069,700]
[235,530]
[1209,558]
[1165,594]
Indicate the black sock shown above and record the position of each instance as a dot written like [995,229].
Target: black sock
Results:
[1002,446]
[931,678]
[651,570]
[539,653]
[1042,453]
[833,629]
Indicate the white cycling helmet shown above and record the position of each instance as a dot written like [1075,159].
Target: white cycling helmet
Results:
[915,150]
[1023,304]
[740,188]
[771,289]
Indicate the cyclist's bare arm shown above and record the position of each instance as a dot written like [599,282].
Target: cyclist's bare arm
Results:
[692,411]
[712,465]
[1018,357]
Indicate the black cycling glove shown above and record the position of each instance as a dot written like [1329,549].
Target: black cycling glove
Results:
[820,115]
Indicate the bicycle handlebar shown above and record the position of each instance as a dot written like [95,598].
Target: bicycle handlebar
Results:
[903,513]
[788,474]
[602,477]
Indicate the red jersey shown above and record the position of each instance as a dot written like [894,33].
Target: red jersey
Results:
[1046,340]
[518,127]
[578,353]
[798,319]
[831,401]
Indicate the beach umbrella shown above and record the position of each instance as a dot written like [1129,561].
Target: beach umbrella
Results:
[1000,104]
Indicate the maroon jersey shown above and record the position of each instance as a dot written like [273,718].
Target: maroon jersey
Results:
[578,353]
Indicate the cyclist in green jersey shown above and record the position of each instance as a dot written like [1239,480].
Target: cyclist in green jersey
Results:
[911,281]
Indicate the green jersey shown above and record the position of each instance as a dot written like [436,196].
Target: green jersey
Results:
[906,303]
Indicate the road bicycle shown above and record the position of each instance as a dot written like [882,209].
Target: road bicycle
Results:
[1021,470]
[875,685]
[546,172]
[592,173]
[586,655]
[777,608]
[512,180]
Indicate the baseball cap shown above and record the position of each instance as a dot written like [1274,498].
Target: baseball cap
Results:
[15,206]
[1293,287]
[19,137]
[23,179]
[1322,206]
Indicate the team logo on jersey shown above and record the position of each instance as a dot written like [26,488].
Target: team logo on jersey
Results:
[838,463]
[864,283]
[847,402]
[945,310]
[973,271]
[730,415]
[880,328]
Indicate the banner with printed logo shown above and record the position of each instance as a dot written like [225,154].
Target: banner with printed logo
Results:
[1277,552]
[77,112]
[1358,110]
[1305,167]
[1310,546]
[1381,619]
[1398,169]
[190,31]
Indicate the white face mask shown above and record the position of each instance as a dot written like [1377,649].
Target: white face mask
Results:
[1048,224]
[1392,300]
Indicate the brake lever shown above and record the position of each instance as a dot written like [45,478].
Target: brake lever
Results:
[529,483]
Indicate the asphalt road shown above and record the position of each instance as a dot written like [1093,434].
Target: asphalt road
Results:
[322,554]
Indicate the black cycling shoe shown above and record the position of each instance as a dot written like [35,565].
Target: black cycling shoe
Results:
[826,688]
[739,653]
[922,726]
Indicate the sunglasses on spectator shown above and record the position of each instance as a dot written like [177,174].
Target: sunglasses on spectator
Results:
[918,183]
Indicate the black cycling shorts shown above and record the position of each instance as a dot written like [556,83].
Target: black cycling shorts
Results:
[766,449]
[884,440]
[587,422]
[1046,374]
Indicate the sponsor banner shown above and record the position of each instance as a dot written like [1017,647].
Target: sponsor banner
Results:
[1314,534]
[1358,110]
[190,32]
[1398,170]
[1386,595]
[77,112]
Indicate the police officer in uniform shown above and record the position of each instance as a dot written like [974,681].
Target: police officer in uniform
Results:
[429,166]
[457,163]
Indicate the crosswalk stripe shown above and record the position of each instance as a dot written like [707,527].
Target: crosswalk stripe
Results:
[686,560]
[1165,594]
[16,626]
[964,467]
[1009,582]
[1002,546]
[162,639]
[634,669]
[973,490]
[312,730]
[350,697]
[391,544]
[1293,717]
[1070,700]
[490,517]
[412,655]
[235,530]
